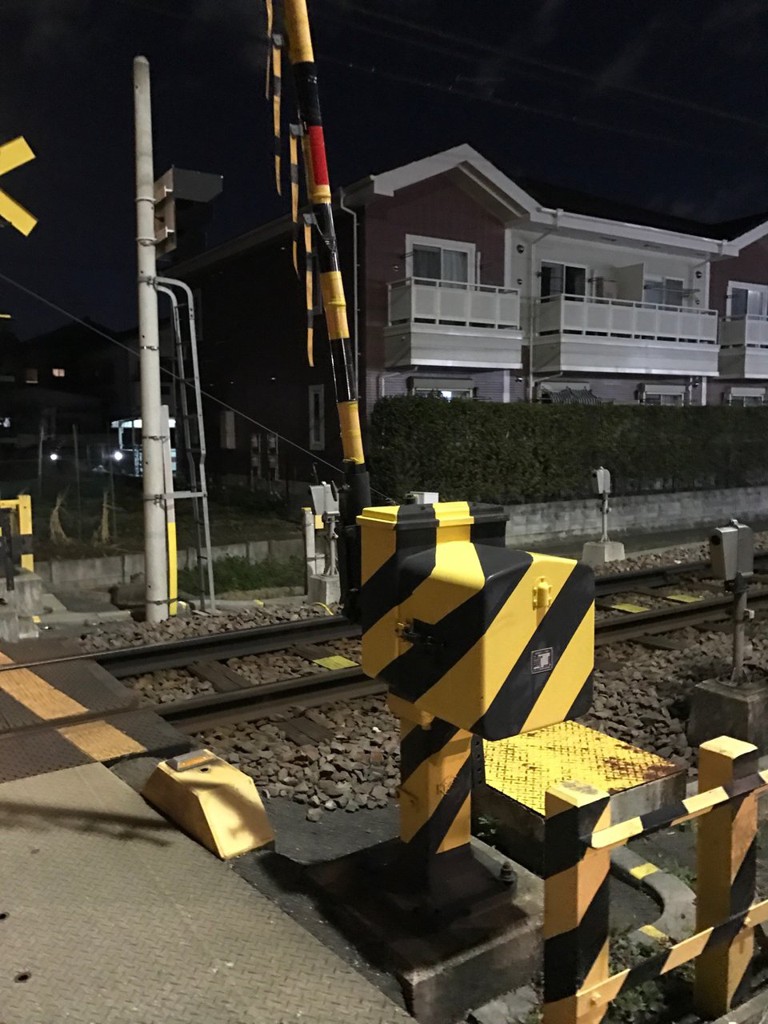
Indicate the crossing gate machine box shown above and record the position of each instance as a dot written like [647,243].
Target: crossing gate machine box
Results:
[472,639]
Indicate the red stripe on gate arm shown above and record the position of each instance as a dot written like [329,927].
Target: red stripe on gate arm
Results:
[319,161]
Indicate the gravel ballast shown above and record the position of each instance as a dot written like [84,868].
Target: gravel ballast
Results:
[641,695]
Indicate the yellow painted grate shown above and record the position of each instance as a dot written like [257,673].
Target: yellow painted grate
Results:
[524,767]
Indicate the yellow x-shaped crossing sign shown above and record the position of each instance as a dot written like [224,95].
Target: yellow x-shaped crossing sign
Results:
[13,154]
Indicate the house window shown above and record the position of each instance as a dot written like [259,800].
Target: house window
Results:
[561,279]
[744,396]
[662,394]
[435,259]
[316,417]
[5,422]
[747,300]
[30,376]
[667,291]
[58,372]
[227,436]
[441,387]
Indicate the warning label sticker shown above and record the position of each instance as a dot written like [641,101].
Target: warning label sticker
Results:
[541,661]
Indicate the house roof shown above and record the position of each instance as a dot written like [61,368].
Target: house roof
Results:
[545,205]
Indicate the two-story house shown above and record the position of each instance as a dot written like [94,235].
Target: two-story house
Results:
[463,282]
[739,293]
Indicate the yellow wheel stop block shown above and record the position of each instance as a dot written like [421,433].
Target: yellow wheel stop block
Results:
[212,801]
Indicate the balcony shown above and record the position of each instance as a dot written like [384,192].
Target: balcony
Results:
[575,333]
[744,347]
[440,323]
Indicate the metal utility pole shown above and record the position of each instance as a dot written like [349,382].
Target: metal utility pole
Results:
[155,554]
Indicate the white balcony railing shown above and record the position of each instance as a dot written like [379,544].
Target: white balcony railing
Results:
[593,335]
[454,304]
[744,347]
[744,332]
[621,318]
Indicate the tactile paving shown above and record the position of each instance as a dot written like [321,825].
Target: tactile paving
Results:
[113,916]
[524,767]
[48,749]
[55,691]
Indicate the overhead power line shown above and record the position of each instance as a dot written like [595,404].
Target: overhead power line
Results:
[461,43]
[174,376]
[527,108]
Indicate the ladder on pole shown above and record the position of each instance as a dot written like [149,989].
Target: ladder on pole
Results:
[190,417]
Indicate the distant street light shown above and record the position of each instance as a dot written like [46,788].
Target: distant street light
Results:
[54,456]
[117,456]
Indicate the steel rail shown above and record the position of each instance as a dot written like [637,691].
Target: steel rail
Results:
[618,582]
[197,713]
[132,661]
[618,628]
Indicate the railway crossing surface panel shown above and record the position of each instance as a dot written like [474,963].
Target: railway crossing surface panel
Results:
[122,918]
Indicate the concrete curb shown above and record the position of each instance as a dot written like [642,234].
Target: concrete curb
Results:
[754,1011]
[676,900]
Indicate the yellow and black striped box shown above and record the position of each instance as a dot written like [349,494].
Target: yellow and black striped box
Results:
[494,641]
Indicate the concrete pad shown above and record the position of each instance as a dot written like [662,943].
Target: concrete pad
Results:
[718,709]
[324,589]
[599,552]
[444,967]
[113,915]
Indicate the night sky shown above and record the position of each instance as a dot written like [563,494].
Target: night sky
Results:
[660,103]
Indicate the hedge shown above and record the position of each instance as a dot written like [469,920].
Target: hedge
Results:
[513,453]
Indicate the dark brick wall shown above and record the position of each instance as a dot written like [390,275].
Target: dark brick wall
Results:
[437,208]
[751,265]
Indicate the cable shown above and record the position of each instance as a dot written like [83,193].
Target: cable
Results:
[464,41]
[213,398]
[528,109]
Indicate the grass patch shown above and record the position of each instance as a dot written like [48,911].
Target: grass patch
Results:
[236,516]
[236,574]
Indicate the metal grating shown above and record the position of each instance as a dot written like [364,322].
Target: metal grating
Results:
[524,767]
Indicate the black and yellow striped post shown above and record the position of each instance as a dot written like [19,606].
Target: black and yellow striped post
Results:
[435,803]
[576,902]
[357,492]
[22,541]
[726,865]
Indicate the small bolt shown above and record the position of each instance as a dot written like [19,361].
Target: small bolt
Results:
[507,873]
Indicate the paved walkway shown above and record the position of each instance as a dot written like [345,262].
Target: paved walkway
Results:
[109,915]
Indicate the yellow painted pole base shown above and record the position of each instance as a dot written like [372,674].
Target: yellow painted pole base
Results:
[212,801]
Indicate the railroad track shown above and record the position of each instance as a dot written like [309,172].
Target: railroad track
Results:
[133,661]
[619,628]
[193,714]
[199,713]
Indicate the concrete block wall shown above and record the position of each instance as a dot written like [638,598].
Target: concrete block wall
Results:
[645,513]
[112,569]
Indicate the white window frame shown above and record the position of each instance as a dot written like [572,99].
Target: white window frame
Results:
[316,423]
[444,243]
[565,264]
[748,286]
